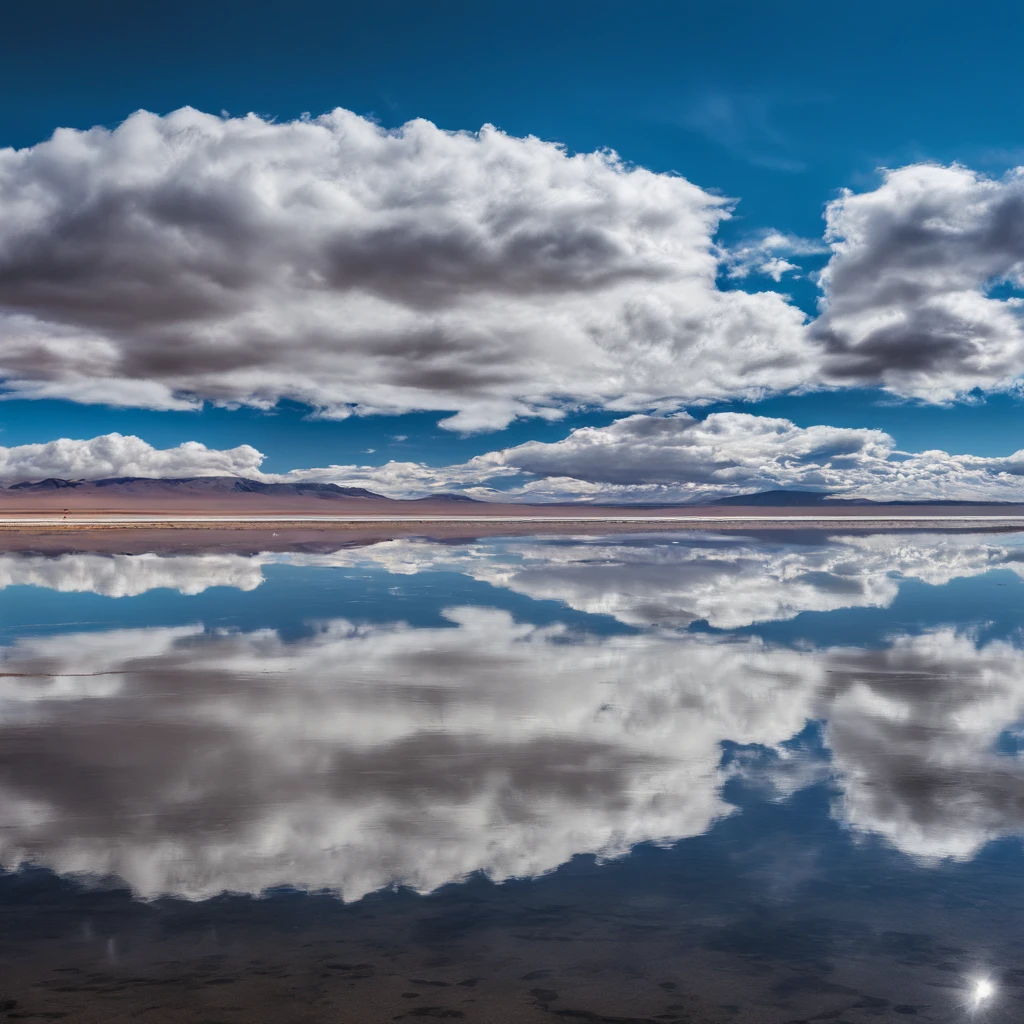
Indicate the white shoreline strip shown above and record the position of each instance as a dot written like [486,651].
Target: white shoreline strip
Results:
[115,519]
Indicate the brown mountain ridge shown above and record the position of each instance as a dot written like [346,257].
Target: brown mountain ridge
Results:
[222,495]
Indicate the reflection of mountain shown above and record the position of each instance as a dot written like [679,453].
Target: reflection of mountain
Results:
[728,581]
[194,762]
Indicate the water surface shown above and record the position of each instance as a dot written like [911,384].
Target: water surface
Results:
[691,777]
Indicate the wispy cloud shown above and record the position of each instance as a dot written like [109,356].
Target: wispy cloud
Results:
[746,125]
[765,253]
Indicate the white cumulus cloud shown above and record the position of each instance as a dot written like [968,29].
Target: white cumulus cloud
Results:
[908,290]
[766,254]
[673,458]
[678,458]
[191,257]
[115,455]
[188,257]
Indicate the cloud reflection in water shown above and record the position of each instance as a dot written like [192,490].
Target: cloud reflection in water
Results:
[190,761]
[730,582]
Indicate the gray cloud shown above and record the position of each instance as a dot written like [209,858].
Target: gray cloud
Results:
[907,292]
[679,451]
[192,257]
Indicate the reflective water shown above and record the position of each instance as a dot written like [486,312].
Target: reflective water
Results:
[632,778]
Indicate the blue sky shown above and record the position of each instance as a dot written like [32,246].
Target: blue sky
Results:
[779,108]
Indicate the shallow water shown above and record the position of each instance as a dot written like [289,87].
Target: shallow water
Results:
[664,778]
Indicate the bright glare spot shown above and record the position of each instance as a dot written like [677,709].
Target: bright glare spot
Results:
[983,990]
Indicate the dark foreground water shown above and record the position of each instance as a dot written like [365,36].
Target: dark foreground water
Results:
[691,778]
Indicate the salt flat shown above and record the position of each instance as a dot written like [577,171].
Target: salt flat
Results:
[877,519]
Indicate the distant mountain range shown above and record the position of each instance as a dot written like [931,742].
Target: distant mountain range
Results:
[206,486]
[805,498]
[134,490]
